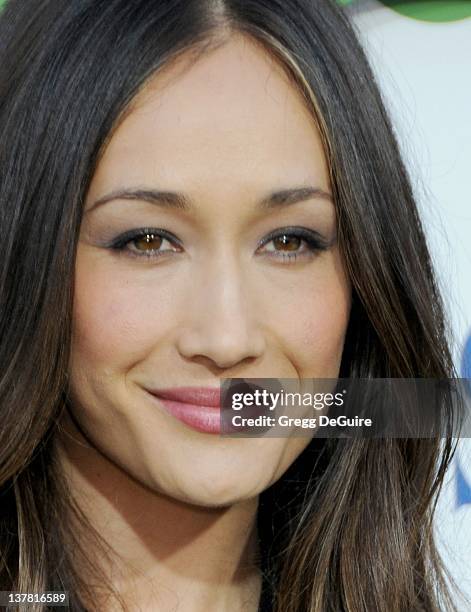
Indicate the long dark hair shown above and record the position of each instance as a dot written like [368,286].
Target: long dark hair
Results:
[349,526]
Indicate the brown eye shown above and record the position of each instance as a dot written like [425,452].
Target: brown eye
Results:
[285,242]
[292,244]
[149,242]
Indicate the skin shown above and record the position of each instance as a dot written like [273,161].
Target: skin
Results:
[178,505]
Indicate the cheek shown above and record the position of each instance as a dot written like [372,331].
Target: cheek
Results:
[115,321]
[321,339]
[315,320]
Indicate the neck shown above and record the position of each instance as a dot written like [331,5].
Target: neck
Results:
[163,550]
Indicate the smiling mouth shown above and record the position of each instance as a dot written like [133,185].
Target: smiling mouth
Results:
[196,407]
[208,409]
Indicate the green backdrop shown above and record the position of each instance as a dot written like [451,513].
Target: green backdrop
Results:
[427,10]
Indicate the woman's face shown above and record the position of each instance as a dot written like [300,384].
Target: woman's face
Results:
[238,277]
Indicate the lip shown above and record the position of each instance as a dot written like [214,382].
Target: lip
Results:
[198,396]
[197,407]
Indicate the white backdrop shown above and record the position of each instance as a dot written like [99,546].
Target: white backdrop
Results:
[424,69]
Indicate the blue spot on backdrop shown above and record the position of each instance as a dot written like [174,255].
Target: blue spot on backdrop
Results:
[463,486]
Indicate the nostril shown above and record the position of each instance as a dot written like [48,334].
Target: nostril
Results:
[222,349]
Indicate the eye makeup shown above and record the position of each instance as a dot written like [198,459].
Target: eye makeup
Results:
[287,244]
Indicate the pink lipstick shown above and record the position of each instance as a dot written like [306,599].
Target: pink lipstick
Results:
[197,407]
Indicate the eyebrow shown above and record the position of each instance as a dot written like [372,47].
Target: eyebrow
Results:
[179,201]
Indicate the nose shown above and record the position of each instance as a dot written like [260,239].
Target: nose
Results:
[222,322]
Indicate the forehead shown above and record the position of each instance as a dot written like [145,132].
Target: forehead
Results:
[233,114]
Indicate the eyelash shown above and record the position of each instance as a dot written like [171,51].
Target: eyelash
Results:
[312,240]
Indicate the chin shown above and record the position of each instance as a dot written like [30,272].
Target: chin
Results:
[216,492]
